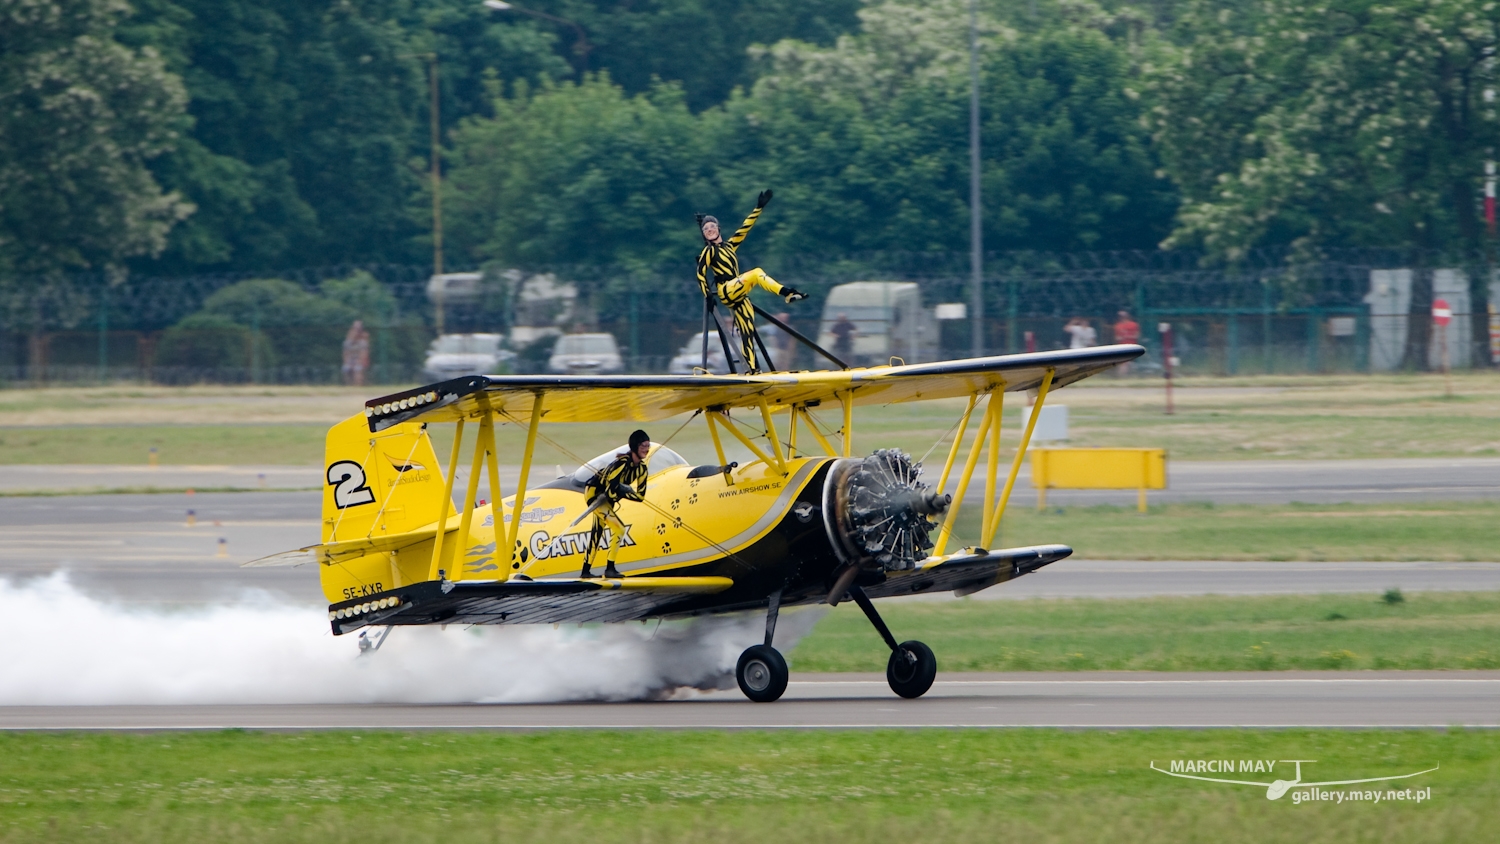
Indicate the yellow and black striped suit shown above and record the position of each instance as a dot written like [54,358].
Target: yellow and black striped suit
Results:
[719,275]
[621,474]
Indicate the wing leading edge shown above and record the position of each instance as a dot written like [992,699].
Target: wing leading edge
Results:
[644,398]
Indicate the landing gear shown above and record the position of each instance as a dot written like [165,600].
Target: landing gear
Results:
[911,669]
[912,666]
[762,672]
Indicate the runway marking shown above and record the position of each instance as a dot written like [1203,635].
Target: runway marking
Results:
[946,683]
[870,725]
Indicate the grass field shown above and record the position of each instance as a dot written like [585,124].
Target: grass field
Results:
[1441,531]
[825,786]
[1458,630]
[1216,419]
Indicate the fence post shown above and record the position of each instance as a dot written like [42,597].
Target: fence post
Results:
[255,344]
[1234,343]
[1012,306]
[635,321]
[1265,323]
[104,335]
[1314,338]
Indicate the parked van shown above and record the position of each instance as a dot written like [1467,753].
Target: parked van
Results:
[889,321]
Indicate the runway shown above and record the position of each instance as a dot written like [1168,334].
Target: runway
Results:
[1104,700]
[140,549]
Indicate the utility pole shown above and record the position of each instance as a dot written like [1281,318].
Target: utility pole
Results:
[976,230]
[437,191]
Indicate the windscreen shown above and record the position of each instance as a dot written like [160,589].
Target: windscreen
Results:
[660,459]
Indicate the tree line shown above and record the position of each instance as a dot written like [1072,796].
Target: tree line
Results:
[183,136]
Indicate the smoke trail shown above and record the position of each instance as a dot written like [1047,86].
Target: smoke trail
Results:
[71,649]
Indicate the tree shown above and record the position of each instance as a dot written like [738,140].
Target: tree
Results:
[304,118]
[870,138]
[1339,123]
[581,173]
[83,118]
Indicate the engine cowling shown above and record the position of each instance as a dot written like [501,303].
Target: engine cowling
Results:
[879,514]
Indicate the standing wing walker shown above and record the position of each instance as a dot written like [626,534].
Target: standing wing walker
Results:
[804,522]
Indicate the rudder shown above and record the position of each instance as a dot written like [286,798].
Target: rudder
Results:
[379,484]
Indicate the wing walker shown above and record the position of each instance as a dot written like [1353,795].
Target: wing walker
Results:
[805,522]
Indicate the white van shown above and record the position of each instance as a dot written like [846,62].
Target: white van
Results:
[889,321]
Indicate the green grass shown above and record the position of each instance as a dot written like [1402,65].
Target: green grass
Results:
[1459,630]
[827,786]
[1215,419]
[1440,531]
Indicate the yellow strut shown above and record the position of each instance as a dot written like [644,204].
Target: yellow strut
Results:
[963,484]
[515,510]
[467,521]
[848,399]
[442,521]
[791,435]
[765,415]
[713,432]
[1015,466]
[729,425]
[993,414]
[812,426]
[958,441]
[497,510]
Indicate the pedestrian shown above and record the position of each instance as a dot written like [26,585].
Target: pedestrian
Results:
[843,331]
[719,276]
[1126,330]
[356,354]
[1083,335]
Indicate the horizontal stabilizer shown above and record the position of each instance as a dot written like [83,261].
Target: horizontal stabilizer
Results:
[299,557]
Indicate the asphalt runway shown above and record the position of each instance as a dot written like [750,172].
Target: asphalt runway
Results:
[140,549]
[854,701]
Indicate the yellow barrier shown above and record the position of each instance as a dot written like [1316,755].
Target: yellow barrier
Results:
[1098,468]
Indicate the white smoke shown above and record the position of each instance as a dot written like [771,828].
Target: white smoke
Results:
[66,648]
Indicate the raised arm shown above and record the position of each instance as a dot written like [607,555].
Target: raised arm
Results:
[744,229]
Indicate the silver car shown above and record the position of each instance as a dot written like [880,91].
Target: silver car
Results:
[585,354]
[457,355]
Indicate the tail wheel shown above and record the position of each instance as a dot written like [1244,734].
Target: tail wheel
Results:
[762,673]
[911,669]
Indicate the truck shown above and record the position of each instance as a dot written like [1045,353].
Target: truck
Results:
[889,322]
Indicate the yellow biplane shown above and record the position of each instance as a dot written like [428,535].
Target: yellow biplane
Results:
[805,522]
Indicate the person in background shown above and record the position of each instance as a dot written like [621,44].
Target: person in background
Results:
[843,332]
[1083,335]
[356,354]
[1126,330]
[784,343]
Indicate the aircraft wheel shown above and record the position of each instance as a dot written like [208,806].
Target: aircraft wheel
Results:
[911,669]
[761,673]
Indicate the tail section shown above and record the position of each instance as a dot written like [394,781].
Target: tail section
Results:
[378,484]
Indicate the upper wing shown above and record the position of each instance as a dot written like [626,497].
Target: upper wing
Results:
[967,573]
[643,398]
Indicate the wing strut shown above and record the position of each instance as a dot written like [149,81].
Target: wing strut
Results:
[515,510]
[1015,466]
[447,502]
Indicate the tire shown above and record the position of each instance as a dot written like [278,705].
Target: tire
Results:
[911,669]
[761,673]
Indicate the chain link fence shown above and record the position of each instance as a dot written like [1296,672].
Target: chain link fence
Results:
[1267,314]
